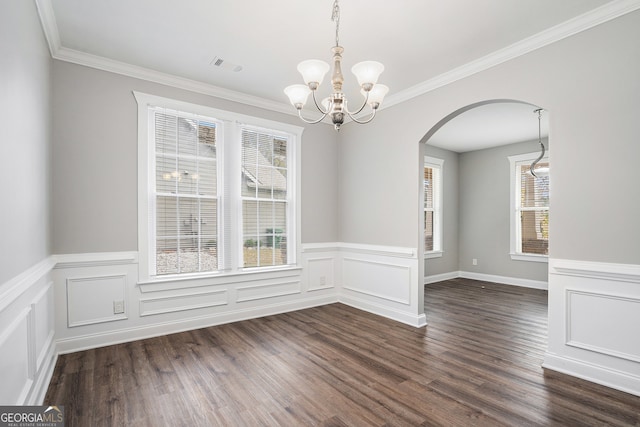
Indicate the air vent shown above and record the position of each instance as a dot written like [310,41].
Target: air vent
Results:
[223,64]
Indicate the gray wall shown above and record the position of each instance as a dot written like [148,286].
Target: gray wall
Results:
[25,133]
[450,221]
[484,213]
[589,85]
[95,161]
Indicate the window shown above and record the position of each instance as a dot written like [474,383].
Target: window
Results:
[529,209]
[217,191]
[432,207]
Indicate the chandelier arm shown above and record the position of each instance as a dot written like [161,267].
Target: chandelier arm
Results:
[311,122]
[363,122]
[364,104]
[315,101]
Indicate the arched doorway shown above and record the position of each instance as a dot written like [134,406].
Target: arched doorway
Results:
[486,233]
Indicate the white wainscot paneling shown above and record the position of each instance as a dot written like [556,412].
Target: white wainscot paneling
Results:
[378,279]
[261,291]
[594,323]
[594,314]
[42,312]
[320,273]
[91,300]
[183,301]
[14,363]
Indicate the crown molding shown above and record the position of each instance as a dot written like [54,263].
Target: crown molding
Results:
[561,31]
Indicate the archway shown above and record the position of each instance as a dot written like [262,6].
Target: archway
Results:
[485,212]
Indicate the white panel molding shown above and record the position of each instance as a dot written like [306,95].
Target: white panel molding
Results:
[247,276]
[11,290]
[593,318]
[596,270]
[561,31]
[73,284]
[16,365]
[403,278]
[574,341]
[101,339]
[268,290]
[387,251]
[515,281]
[183,302]
[95,259]
[329,264]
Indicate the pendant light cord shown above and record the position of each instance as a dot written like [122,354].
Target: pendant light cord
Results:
[335,17]
[535,162]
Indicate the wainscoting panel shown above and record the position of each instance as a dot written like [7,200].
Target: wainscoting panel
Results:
[589,330]
[594,313]
[27,335]
[92,299]
[382,280]
[15,366]
[183,302]
[88,284]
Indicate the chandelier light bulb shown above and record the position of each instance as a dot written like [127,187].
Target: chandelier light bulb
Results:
[376,94]
[313,71]
[367,73]
[298,95]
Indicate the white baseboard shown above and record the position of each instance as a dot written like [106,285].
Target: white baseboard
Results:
[41,385]
[85,342]
[441,277]
[602,375]
[400,316]
[515,281]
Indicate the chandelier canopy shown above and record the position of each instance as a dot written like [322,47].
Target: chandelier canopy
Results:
[335,105]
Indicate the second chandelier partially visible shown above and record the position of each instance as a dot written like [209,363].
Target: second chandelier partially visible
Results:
[335,106]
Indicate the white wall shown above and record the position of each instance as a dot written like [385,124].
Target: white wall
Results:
[27,347]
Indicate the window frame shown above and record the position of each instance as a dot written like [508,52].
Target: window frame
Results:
[438,236]
[228,184]
[515,232]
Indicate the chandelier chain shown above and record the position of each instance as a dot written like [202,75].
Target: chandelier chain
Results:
[335,17]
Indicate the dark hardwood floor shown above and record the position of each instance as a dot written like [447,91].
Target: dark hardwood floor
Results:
[477,363]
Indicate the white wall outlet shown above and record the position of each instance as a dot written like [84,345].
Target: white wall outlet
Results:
[118,307]
[323,280]
[474,261]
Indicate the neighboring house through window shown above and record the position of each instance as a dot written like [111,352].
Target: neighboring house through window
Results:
[529,208]
[217,191]
[432,207]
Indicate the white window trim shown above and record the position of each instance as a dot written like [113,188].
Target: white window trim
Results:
[438,237]
[514,196]
[230,132]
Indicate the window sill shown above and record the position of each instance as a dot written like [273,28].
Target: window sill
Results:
[529,257]
[433,254]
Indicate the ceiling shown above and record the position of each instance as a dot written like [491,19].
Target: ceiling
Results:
[423,44]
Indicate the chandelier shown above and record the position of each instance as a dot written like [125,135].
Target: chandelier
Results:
[335,106]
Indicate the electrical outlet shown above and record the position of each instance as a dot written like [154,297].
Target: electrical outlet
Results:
[118,307]
[474,261]
[323,280]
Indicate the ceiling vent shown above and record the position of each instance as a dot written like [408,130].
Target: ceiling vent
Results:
[225,65]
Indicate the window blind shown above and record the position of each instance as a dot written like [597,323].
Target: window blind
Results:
[533,210]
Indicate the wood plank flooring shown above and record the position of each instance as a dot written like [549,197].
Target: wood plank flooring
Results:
[477,363]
